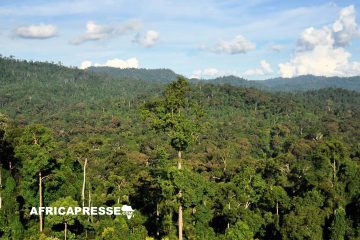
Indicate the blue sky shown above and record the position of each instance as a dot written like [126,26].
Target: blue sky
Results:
[257,39]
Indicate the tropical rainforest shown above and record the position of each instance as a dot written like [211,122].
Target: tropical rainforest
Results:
[195,159]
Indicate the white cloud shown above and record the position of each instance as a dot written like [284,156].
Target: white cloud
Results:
[264,69]
[211,73]
[119,63]
[312,37]
[115,63]
[265,66]
[321,61]
[345,27]
[238,45]
[41,31]
[322,51]
[206,73]
[96,32]
[85,64]
[148,40]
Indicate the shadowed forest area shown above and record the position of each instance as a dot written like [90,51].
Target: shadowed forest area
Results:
[226,162]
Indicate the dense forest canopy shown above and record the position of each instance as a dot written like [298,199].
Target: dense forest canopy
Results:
[256,164]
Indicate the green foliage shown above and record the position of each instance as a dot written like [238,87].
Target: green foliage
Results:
[301,83]
[149,75]
[10,223]
[66,202]
[265,166]
[174,115]
[339,225]
[120,229]
[35,150]
[239,231]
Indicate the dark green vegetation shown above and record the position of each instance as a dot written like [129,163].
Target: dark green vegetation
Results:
[149,75]
[255,164]
[302,83]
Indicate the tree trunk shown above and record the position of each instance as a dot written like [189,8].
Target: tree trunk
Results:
[84,182]
[90,203]
[40,202]
[157,219]
[277,208]
[180,217]
[179,160]
[65,231]
[0,187]
[180,222]
[334,173]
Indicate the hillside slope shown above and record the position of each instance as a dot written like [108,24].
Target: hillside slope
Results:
[149,75]
[301,83]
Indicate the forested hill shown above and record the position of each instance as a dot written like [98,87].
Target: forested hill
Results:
[149,75]
[50,92]
[37,90]
[239,163]
[301,83]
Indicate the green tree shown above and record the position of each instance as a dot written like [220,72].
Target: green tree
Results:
[179,118]
[10,223]
[239,231]
[339,224]
[307,219]
[176,115]
[65,219]
[35,149]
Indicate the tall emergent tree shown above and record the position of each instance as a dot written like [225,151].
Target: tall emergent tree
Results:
[35,150]
[177,116]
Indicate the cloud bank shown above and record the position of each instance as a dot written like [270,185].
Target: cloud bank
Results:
[238,45]
[41,31]
[96,32]
[115,63]
[206,73]
[148,40]
[322,51]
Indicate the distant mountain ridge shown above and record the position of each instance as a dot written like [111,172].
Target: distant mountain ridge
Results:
[300,83]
